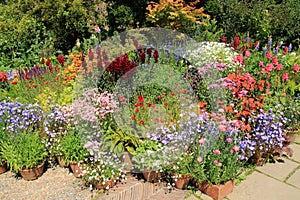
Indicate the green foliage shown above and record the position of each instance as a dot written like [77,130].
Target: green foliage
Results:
[71,147]
[23,151]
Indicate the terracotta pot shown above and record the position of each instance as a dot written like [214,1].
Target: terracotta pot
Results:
[217,192]
[3,167]
[152,175]
[75,167]
[61,161]
[33,173]
[101,186]
[182,181]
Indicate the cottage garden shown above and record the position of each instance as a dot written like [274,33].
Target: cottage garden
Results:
[188,113]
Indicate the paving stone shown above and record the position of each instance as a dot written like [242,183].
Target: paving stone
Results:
[297,138]
[258,186]
[295,179]
[279,170]
[296,150]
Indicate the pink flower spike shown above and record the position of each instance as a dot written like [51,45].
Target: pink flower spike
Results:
[216,161]
[202,140]
[200,159]
[218,152]
[296,68]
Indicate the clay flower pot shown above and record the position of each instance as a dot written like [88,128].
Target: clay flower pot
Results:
[181,181]
[3,167]
[217,192]
[152,175]
[62,161]
[75,167]
[33,173]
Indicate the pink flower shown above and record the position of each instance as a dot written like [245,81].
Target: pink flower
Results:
[200,159]
[234,149]
[202,140]
[269,55]
[279,67]
[218,152]
[229,140]
[247,54]
[219,164]
[285,77]
[296,68]
[269,67]
[275,60]
[216,161]
[261,64]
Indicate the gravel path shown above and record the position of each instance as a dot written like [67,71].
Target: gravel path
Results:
[55,184]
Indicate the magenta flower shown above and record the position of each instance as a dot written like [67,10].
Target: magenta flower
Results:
[216,161]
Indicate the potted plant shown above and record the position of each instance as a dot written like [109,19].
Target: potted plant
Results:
[179,170]
[71,147]
[104,173]
[215,164]
[25,153]
[146,159]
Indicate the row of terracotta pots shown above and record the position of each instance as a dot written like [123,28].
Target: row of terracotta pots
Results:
[217,192]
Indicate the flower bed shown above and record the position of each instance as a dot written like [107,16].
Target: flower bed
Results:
[219,114]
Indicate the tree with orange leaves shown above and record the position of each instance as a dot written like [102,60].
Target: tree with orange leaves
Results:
[175,14]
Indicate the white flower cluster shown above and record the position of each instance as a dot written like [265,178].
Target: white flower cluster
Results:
[210,52]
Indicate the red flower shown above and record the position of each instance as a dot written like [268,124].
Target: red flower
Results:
[155,55]
[136,110]
[141,99]
[159,97]
[149,104]
[141,122]
[43,60]
[60,59]
[3,77]
[172,93]
[133,117]
[48,62]
[149,52]
[142,57]
[166,104]
[14,83]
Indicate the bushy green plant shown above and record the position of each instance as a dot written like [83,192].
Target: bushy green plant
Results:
[23,151]
[72,148]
